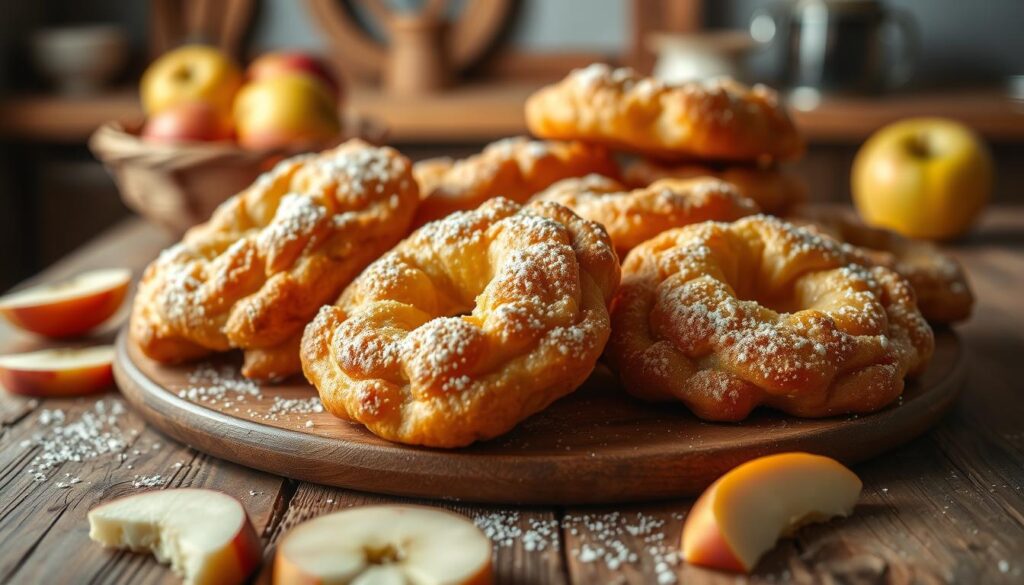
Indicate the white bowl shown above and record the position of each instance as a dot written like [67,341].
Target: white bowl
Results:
[80,59]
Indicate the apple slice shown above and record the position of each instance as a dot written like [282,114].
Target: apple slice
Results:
[51,373]
[385,544]
[69,308]
[205,535]
[741,516]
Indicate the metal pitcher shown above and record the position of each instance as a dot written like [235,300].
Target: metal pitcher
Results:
[841,45]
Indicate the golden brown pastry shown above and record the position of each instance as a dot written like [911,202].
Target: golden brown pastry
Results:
[632,217]
[470,325]
[255,274]
[776,191]
[514,168]
[716,119]
[726,317]
[943,293]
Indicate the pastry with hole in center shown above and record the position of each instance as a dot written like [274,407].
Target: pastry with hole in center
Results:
[470,325]
[725,317]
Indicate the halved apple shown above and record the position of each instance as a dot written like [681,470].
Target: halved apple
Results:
[69,308]
[205,535]
[742,515]
[385,544]
[51,373]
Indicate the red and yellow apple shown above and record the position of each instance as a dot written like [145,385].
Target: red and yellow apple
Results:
[922,177]
[187,122]
[70,308]
[205,535]
[270,65]
[385,544]
[286,111]
[193,73]
[742,515]
[58,373]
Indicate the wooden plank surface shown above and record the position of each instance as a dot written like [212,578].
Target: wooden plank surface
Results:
[946,508]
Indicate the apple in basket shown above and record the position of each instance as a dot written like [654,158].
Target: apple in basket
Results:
[193,73]
[275,64]
[286,110]
[188,122]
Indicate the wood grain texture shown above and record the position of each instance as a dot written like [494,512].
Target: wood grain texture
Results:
[947,507]
[596,445]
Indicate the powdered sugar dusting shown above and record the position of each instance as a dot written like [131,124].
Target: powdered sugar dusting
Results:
[295,219]
[615,540]
[95,433]
[760,311]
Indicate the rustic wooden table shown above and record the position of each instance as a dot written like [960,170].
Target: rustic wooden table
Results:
[948,507]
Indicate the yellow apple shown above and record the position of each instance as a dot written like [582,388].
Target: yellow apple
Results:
[204,534]
[193,73]
[286,110]
[922,177]
[741,516]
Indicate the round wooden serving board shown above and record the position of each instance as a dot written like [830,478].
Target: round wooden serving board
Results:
[596,445]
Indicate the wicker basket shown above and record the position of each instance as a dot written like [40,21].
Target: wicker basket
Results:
[177,186]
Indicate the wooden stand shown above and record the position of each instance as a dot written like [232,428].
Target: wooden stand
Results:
[596,445]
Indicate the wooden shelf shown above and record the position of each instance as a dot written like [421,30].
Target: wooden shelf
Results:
[483,112]
[64,119]
[851,119]
[467,113]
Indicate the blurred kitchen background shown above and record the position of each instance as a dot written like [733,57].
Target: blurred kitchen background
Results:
[847,66]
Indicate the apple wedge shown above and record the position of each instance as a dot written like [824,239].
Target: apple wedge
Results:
[69,308]
[742,515]
[385,544]
[205,535]
[52,373]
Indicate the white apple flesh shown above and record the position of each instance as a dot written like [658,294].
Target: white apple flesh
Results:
[384,545]
[204,535]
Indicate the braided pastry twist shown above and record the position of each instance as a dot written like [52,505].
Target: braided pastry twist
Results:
[943,293]
[724,317]
[269,257]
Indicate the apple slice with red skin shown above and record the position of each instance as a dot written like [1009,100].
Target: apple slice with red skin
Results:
[69,308]
[55,373]
[205,535]
[742,515]
[385,544]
